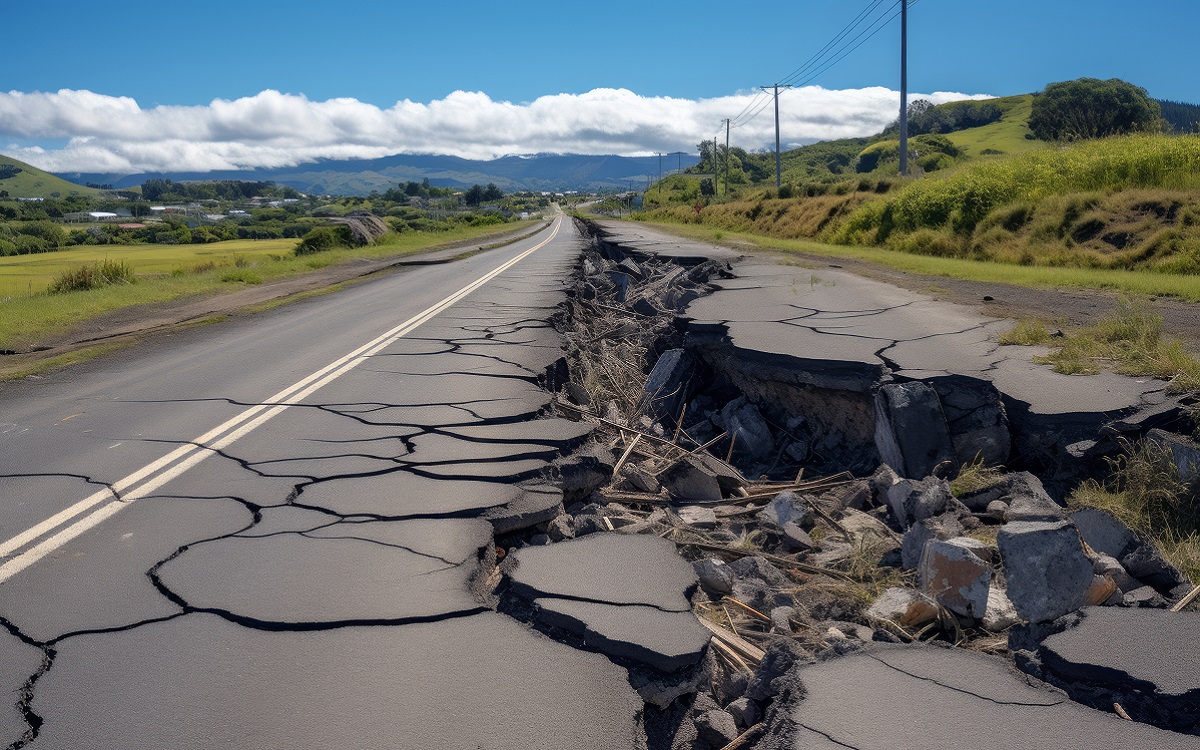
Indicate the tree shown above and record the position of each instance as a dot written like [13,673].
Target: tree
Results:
[492,193]
[1091,108]
[707,188]
[708,160]
[474,195]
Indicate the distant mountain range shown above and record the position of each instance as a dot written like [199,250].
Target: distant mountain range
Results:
[540,172]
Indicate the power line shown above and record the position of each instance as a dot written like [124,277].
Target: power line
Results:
[821,62]
[879,25]
[849,27]
[831,54]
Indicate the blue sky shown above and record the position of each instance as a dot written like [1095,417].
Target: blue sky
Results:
[182,55]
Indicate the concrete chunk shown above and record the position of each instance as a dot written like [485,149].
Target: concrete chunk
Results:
[912,500]
[946,526]
[1185,452]
[911,433]
[1048,574]
[954,573]
[787,507]
[1104,533]
[894,603]
[698,516]
[669,384]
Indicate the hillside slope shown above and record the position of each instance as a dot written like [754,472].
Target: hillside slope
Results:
[1008,136]
[20,180]
[550,172]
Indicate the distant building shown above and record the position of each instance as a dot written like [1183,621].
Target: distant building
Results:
[86,216]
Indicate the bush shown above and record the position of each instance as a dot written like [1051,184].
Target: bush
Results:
[1091,108]
[241,275]
[321,239]
[93,276]
[53,234]
[29,245]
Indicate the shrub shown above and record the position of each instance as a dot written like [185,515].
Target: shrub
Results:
[93,276]
[321,239]
[241,275]
[1091,108]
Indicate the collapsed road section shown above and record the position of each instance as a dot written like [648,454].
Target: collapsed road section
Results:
[792,433]
[720,519]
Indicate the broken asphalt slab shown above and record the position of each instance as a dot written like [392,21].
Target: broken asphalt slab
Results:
[1144,659]
[617,569]
[342,579]
[201,681]
[65,594]
[349,573]
[921,697]
[820,341]
[626,596]
[666,641]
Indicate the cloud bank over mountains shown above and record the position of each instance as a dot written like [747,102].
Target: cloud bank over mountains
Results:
[115,134]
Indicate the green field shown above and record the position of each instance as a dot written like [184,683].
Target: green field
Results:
[171,272]
[32,182]
[26,275]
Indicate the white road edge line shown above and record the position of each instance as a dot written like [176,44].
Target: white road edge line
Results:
[157,473]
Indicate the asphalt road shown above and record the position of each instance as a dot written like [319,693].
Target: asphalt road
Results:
[267,533]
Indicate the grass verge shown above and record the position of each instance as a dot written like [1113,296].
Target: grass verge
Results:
[1130,341]
[1145,492]
[66,359]
[224,267]
[1133,283]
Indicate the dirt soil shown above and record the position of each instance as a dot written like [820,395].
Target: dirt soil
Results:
[132,323]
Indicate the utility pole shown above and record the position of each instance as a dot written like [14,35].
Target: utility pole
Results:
[660,156]
[727,157]
[777,162]
[904,88]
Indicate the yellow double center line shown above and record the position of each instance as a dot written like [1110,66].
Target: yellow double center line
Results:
[55,532]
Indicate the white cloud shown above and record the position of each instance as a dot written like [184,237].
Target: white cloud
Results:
[272,129]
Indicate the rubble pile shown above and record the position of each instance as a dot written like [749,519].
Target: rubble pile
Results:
[364,228]
[794,559]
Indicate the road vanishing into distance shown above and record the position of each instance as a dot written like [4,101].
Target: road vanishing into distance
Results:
[271,533]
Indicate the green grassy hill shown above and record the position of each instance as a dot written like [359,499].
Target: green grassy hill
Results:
[984,193]
[21,180]
[1006,136]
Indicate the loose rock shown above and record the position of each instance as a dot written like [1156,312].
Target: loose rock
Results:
[1048,574]
[953,573]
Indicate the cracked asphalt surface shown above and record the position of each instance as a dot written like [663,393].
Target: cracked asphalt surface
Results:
[278,532]
[289,540]
[917,697]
